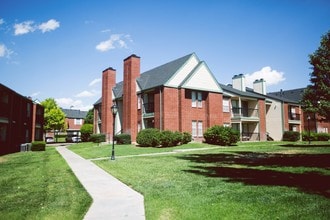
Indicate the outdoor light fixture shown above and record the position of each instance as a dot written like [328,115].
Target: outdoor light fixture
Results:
[114,111]
[309,130]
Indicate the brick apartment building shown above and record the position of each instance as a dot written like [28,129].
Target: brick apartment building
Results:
[21,121]
[183,95]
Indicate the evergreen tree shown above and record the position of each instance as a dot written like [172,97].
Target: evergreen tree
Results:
[316,98]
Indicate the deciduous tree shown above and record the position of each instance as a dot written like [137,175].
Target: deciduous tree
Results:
[54,117]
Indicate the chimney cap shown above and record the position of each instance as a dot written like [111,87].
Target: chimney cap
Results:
[132,56]
[109,68]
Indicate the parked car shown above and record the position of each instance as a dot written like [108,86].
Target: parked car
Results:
[50,140]
[74,139]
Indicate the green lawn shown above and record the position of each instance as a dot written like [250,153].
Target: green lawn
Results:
[262,180]
[248,181]
[40,185]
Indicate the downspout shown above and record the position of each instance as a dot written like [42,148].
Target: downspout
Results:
[160,109]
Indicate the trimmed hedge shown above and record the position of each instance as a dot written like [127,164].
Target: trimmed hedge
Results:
[38,146]
[315,136]
[148,137]
[186,137]
[220,135]
[291,136]
[123,139]
[97,138]
[152,137]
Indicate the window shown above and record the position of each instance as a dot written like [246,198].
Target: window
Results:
[196,99]
[197,128]
[139,102]
[78,121]
[3,129]
[225,104]
[28,110]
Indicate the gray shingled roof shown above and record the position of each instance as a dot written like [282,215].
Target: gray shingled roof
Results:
[154,77]
[160,75]
[293,94]
[73,113]
[247,93]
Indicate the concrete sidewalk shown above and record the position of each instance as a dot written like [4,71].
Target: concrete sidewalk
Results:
[111,198]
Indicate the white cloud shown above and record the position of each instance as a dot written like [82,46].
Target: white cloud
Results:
[115,41]
[24,27]
[272,77]
[35,94]
[50,25]
[4,51]
[106,30]
[95,81]
[2,21]
[85,94]
[74,104]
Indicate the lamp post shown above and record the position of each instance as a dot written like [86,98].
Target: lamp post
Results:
[114,111]
[309,130]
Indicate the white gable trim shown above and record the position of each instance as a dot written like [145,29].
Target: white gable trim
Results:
[183,72]
[201,78]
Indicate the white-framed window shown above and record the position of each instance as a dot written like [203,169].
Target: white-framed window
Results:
[197,128]
[199,99]
[196,99]
[78,121]
[225,105]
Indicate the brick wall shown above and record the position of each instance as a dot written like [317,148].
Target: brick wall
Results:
[108,82]
[262,120]
[130,113]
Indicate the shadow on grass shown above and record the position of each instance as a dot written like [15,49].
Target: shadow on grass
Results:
[309,182]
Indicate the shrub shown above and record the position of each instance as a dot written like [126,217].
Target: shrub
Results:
[97,138]
[220,135]
[186,138]
[305,136]
[177,138]
[166,139]
[291,136]
[322,136]
[86,131]
[38,146]
[123,139]
[149,137]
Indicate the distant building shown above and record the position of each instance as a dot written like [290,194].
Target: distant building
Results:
[21,121]
[74,119]
[314,121]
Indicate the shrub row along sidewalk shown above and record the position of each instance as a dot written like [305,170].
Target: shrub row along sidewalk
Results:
[111,198]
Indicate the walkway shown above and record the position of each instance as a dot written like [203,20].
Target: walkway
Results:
[111,198]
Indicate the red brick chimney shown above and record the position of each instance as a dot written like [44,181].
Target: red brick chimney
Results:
[108,82]
[131,73]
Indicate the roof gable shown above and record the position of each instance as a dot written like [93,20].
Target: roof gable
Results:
[185,69]
[160,75]
[201,78]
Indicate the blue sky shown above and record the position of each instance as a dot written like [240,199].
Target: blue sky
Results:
[59,48]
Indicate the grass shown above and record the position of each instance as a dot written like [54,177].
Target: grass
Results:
[249,181]
[92,150]
[40,185]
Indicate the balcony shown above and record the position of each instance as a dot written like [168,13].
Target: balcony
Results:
[148,109]
[245,112]
[294,116]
